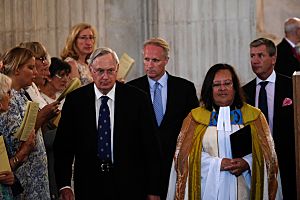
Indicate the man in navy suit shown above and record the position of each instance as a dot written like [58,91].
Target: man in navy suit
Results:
[280,114]
[131,169]
[178,99]
[288,58]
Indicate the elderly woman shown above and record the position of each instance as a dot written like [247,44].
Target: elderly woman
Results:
[29,161]
[57,80]
[6,177]
[80,44]
[204,166]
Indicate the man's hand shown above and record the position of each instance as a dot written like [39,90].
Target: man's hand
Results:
[153,197]
[66,194]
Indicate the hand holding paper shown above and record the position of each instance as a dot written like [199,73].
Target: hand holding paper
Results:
[4,161]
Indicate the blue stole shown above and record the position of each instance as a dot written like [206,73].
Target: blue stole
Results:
[235,117]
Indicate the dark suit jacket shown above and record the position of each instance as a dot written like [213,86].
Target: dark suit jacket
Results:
[286,62]
[181,99]
[135,148]
[283,131]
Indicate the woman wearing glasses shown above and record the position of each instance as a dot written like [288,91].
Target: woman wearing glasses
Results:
[57,80]
[206,164]
[55,84]
[80,44]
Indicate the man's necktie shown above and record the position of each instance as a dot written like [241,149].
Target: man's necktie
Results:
[262,98]
[157,103]
[104,132]
[296,53]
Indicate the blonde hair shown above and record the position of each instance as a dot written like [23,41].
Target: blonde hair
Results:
[14,58]
[160,43]
[70,49]
[37,48]
[5,85]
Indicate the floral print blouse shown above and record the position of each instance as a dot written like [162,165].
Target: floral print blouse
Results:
[33,173]
[84,72]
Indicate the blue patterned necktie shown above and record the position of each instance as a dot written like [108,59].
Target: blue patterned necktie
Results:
[104,132]
[262,98]
[157,103]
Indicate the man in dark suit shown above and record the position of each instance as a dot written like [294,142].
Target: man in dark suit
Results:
[288,57]
[130,168]
[279,90]
[178,97]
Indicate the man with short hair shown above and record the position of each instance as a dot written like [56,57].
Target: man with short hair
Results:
[288,56]
[107,128]
[172,98]
[277,106]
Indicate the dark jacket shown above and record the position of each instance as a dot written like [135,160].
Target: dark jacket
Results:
[135,148]
[283,131]
[181,99]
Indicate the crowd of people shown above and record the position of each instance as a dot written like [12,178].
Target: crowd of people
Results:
[152,137]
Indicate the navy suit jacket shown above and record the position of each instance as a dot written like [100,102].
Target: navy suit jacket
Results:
[283,130]
[135,146]
[181,99]
[286,62]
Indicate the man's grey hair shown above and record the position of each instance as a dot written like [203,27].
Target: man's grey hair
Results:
[100,52]
[291,25]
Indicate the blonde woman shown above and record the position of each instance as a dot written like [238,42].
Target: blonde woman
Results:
[79,45]
[29,161]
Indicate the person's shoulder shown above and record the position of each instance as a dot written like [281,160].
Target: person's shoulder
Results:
[180,81]
[283,77]
[129,89]
[283,45]
[89,88]
[250,84]
[137,81]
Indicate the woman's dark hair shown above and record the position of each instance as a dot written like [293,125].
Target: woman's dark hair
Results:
[58,65]
[206,96]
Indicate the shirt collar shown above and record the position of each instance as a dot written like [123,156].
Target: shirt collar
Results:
[271,78]
[290,42]
[162,81]
[110,94]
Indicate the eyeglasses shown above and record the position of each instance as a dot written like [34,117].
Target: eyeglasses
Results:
[85,38]
[42,59]
[101,72]
[227,84]
[61,76]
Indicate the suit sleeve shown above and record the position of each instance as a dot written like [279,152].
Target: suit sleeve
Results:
[152,150]
[193,100]
[64,146]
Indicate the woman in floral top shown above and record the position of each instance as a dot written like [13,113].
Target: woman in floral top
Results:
[79,45]
[29,161]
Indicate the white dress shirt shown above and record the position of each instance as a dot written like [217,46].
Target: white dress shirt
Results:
[111,105]
[270,89]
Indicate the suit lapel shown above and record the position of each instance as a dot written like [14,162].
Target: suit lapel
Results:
[277,96]
[90,108]
[252,92]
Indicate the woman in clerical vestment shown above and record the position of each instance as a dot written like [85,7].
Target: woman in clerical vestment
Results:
[203,165]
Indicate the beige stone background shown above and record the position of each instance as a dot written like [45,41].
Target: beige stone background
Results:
[200,32]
